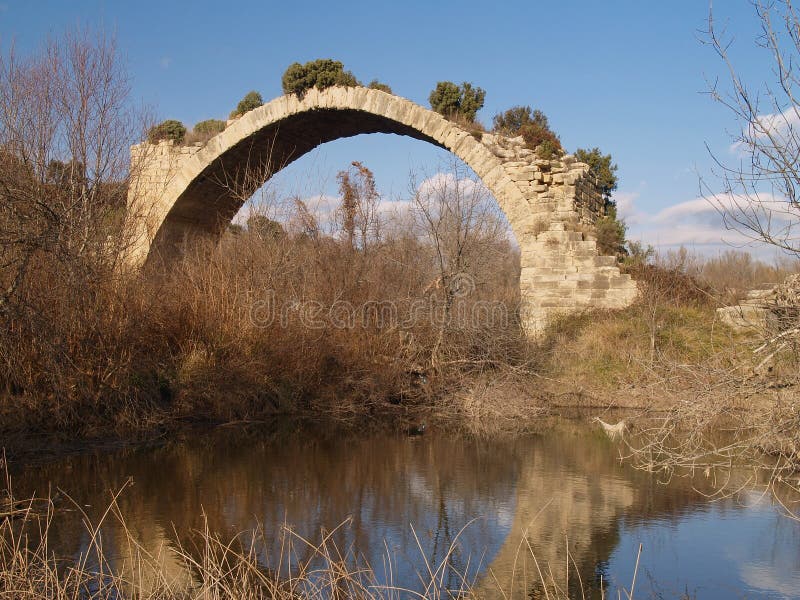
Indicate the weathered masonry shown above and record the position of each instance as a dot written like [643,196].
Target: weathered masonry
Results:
[190,191]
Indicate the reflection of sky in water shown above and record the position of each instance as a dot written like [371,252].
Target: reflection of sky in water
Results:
[426,523]
[728,549]
[479,495]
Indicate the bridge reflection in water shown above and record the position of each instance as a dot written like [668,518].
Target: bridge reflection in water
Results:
[499,503]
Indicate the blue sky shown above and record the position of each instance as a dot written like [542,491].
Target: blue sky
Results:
[627,76]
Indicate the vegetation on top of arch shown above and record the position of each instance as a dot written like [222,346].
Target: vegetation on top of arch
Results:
[458,103]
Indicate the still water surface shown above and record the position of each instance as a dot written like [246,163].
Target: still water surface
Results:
[495,502]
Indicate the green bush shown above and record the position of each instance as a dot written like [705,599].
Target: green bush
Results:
[601,165]
[454,101]
[471,101]
[515,118]
[251,100]
[638,254]
[533,126]
[167,130]
[541,139]
[446,98]
[610,229]
[377,85]
[610,233]
[321,73]
[209,127]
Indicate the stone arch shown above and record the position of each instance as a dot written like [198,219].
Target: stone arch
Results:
[206,187]
[181,192]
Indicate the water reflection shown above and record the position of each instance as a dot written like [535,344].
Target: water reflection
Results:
[499,503]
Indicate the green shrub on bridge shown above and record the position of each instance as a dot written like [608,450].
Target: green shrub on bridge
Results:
[209,127]
[610,232]
[610,229]
[321,73]
[534,128]
[167,130]
[601,165]
[377,85]
[457,102]
[251,101]
[512,120]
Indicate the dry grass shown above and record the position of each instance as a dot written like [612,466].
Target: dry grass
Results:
[730,274]
[668,346]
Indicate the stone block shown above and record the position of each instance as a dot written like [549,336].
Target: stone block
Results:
[747,317]
[605,261]
[598,283]
[520,176]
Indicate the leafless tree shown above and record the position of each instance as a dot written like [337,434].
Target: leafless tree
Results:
[455,216]
[66,125]
[65,128]
[358,213]
[757,194]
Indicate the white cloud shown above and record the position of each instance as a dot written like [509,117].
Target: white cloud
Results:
[690,234]
[165,62]
[711,206]
[772,129]
[626,206]
[392,208]
[321,203]
[700,222]
[684,210]
[442,182]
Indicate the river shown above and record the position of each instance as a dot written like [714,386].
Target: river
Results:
[503,511]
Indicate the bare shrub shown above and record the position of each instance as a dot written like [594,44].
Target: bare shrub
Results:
[460,224]
[65,129]
[350,320]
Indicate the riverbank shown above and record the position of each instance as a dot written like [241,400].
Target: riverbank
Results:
[636,360]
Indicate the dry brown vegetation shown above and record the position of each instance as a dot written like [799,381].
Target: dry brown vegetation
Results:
[669,344]
[207,567]
[729,275]
[338,317]
[683,375]
[262,323]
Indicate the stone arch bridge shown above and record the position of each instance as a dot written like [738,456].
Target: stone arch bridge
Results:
[180,192]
